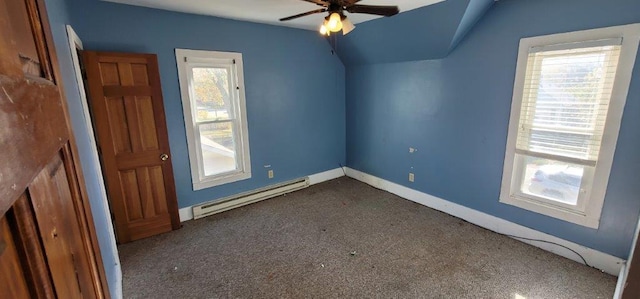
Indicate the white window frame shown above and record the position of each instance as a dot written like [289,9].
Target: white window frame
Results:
[587,214]
[186,59]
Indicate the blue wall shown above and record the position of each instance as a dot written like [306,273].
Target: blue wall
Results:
[474,12]
[58,17]
[455,111]
[428,32]
[422,33]
[294,87]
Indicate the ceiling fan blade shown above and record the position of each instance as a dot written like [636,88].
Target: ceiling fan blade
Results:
[304,14]
[374,10]
[318,2]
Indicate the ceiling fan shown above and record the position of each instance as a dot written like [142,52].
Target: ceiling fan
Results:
[336,20]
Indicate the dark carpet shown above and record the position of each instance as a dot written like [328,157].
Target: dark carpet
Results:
[343,238]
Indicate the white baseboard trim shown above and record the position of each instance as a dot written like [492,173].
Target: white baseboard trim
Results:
[605,262]
[326,176]
[187,213]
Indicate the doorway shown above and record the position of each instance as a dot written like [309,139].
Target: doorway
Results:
[122,109]
[108,242]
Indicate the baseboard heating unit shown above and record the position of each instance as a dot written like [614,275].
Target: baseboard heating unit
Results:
[242,199]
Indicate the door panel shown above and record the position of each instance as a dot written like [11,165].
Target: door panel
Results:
[25,42]
[13,283]
[146,124]
[28,242]
[131,194]
[61,238]
[126,101]
[139,73]
[117,116]
[140,187]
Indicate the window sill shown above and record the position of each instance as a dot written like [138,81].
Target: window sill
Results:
[576,217]
[221,180]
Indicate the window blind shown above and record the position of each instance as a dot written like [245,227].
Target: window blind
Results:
[566,95]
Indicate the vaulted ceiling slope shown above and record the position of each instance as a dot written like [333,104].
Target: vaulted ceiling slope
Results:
[429,32]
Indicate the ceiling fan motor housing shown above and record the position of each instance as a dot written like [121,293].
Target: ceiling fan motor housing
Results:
[340,6]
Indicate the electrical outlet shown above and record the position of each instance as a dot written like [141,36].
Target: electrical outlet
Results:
[270,173]
[411,177]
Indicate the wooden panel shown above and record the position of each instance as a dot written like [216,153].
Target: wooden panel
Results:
[9,64]
[133,123]
[131,194]
[135,160]
[12,280]
[73,220]
[139,73]
[59,228]
[158,192]
[145,202]
[126,76]
[36,270]
[146,123]
[42,35]
[143,192]
[85,221]
[54,232]
[24,38]
[109,74]
[121,91]
[32,128]
[116,57]
[118,124]
[150,227]
[146,198]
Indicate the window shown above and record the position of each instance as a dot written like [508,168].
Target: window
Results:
[569,94]
[212,89]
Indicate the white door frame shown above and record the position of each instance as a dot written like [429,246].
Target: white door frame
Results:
[76,44]
[624,272]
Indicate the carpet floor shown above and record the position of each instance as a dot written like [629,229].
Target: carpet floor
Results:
[343,238]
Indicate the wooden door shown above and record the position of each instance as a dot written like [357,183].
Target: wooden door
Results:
[48,245]
[127,109]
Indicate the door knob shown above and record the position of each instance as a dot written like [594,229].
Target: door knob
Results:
[164,157]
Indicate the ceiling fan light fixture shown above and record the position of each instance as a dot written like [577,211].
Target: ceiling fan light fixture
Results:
[336,20]
[323,28]
[347,26]
[335,23]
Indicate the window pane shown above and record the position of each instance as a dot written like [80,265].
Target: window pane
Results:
[554,180]
[565,101]
[563,143]
[218,148]
[211,93]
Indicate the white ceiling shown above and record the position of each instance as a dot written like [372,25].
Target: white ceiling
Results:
[268,11]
